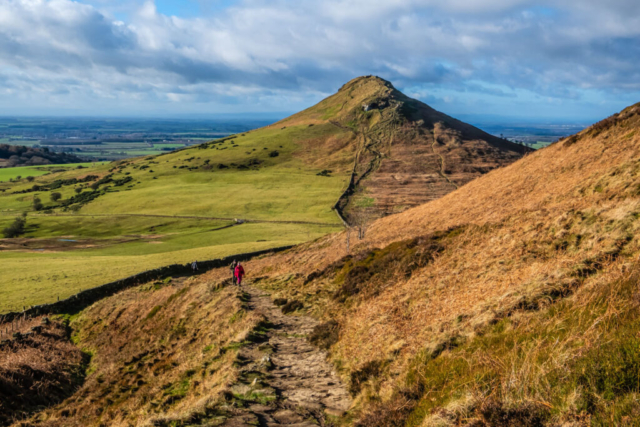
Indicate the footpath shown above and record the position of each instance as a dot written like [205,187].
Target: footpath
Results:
[284,379]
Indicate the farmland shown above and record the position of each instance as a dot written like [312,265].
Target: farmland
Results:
[143,213]
[113,139]
[7,174]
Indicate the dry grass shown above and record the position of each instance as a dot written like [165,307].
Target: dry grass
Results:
[550,228]
[518,305]
[162,355]
[40,369]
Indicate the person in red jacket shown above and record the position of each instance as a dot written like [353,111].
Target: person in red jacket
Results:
[239,273]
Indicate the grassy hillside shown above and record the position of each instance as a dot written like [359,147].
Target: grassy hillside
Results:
[161,354]
[86,226]
[512,301]
[7,174]
[95,232]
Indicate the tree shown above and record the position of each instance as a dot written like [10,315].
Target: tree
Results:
[78,190]
[30,178]
[37,204]
[55,196]
[15,229]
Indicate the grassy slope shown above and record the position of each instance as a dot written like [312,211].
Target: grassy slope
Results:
[161,354]
[24,171]
[512,301]
[281,188]
[270,174]
[518,305]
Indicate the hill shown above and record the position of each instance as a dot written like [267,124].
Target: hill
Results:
[511,301]
[18,155]
[403,153]
[280,182]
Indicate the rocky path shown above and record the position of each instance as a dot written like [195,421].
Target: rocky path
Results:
[285,380]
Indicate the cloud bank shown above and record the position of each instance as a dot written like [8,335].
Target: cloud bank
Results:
[505,56]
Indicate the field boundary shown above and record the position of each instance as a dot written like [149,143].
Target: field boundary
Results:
[89,296]
[208,218]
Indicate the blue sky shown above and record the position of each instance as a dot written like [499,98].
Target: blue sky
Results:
[502,60]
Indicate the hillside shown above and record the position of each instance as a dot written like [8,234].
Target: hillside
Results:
[406,153]
[17,155]
[281,183]
[512,301]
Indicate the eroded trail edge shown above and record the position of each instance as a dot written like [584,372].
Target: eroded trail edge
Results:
[284,379]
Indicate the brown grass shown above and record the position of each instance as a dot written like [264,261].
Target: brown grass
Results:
[162,355]
[518,306]
[39,369]
[534,233]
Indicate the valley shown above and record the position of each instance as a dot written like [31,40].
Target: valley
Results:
[118,138]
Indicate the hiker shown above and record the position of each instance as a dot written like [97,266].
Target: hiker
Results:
[232,267]
[239,273]
[194,266]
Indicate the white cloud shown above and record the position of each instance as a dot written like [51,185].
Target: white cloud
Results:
[271,51]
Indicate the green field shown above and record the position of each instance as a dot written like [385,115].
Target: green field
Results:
[30,277]
[540,144]
[265,175]
[24,171]
[20,141]
[169,145]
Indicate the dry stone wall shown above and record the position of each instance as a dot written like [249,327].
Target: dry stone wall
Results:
[87,297]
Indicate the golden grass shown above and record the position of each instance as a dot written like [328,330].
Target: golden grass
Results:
[162,353]
[38,370]
[561,220]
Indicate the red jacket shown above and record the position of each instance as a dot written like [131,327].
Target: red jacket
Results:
[239,271]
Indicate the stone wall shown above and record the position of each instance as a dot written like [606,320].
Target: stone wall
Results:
[87,297]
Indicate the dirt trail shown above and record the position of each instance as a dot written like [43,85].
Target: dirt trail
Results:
[442,166]
[285,380]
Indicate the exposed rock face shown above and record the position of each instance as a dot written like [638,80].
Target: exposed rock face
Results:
[408,153]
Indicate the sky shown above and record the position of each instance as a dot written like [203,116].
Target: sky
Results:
[495,60]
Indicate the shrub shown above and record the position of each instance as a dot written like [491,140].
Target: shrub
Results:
[274,153]
[16,229]
[37,204]
[55,196]
[30,178]
[325,334]
[292,306]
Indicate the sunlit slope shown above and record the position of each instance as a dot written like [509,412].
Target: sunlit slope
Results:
[513,298]
[388,151]
[395,151]
[149,212]
[407,153]
[256,175]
